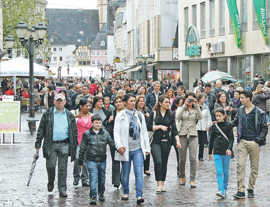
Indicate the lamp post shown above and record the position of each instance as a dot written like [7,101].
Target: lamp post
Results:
[30,38]
[9,43]
[100,66]
[143,61]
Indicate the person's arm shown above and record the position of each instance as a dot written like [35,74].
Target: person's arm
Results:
[117,132]
[236,119]
[199,112]
[83,148]
[231,137]
[41,131]
[211,142]
[263,130]
[180,112]
[145,135]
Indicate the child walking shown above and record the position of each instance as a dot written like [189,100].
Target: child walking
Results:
[221,144]
[94,144]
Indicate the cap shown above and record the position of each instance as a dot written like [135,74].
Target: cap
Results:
[59,96]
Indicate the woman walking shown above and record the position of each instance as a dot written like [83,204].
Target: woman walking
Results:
[162,122]
[203,125]
[132,143]
[84,123]
[187,116]
[141,107]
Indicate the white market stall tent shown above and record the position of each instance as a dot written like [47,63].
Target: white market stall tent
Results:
[19,67]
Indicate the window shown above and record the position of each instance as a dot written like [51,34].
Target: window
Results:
[54,59]
[194,15]
[93,62]
[221,17]
[54,49]
[212,18]
[102,43]
[244,16]
[60,49]
[186,22]
[97,52]
[202,17]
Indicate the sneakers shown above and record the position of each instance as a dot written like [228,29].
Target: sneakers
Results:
[250,193]
[50,187]
[76,182]
[101,197]
[93,201]
[239,195]
[220,195]
[140,200]
[193,184]
[182,181]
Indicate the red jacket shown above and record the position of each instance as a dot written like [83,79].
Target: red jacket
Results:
[93,89]
[25,94]
[10,92]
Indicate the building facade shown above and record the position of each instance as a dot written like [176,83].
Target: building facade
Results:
[83,55]
[207,40]
[1,26]
[99,50]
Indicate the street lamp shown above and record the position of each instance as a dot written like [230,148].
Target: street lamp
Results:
[100,66]
[9,43]
[144,60]
[30,38]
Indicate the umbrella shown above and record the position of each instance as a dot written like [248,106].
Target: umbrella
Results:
[36,156]
[216,75]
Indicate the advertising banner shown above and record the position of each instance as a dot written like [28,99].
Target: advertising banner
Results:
[234,14]
[260,10]
[9,117]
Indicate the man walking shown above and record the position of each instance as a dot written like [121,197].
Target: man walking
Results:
[252,130]
[58,129]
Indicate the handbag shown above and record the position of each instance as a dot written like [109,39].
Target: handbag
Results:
[225,136]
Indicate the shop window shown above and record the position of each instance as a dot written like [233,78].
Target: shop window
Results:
[54,49]
[244,15]
[202,17]
[194,15]
[222,17]
[212,18]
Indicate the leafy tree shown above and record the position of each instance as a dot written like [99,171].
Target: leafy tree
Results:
[27,11]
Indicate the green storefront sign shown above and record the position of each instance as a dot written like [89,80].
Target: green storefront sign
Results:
[193,47]
[234,15]
[260,9]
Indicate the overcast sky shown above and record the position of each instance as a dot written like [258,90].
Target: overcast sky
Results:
[72,4]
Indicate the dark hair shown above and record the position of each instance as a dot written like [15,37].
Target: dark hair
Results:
[96,117]
[190,94]
[176,102]
[208,85]
[219,95]
[157,106]
[96,99]
[220,110]
[117,98]
[247,94]
[137,101]
[199,97]
[82,102]
[128,96]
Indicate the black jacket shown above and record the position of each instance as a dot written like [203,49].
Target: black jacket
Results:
[218,142]
[151,100]
[95,145]
[260,125]
[45,131]
[169,121]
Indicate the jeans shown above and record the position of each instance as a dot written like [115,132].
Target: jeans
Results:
[191,145]
[116,170]
[58,151]
[137,158]
[97,175]
[222,164]
[160,153]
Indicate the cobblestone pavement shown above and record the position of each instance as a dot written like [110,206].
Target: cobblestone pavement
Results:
[15,163]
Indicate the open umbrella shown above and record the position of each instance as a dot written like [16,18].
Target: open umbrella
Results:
[216,75]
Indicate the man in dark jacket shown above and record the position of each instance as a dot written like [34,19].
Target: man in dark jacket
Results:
[152,98]
[252,131]
[94,145]
[59,131]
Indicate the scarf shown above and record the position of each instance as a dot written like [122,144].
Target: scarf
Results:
[133,123]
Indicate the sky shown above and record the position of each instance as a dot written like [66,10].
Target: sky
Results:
[72,4]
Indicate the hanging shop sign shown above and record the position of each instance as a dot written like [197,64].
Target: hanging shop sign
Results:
[193,46]
[215,48]
[260,10]
[234,15]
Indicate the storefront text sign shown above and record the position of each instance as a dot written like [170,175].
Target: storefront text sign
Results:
[216,47]
[193,46]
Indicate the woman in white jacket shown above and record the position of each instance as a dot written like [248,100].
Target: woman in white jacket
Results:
[203,125]
[132,143]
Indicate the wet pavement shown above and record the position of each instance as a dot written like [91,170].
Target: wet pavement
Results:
[15,163]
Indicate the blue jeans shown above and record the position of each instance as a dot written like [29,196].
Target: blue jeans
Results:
[138,160]
[97,173]
[222,164]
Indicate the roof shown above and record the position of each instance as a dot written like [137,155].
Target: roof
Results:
[100,42]
[67,26]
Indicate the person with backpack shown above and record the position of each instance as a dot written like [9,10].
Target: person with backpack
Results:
[162,122]
[221,145]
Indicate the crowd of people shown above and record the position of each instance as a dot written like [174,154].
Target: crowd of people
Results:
[143,119]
